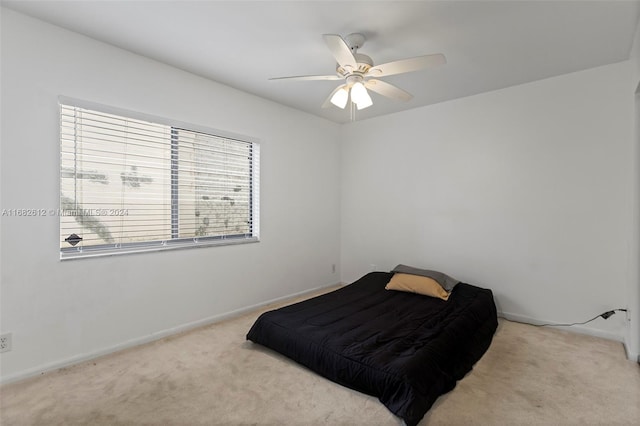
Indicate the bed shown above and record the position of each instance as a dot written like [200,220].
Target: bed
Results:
[405,349]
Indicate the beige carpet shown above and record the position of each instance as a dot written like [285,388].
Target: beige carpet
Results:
[212,376]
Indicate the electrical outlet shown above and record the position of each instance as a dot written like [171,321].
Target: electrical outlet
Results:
[333,268]
[5,342]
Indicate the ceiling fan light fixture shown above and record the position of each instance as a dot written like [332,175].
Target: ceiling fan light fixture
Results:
[340,98]
[365,103]
[360,96]
[360,74]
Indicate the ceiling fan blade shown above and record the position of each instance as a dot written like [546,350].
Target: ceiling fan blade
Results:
[340,51]
[309,77]
[407,65]
[388,90]
[327,103]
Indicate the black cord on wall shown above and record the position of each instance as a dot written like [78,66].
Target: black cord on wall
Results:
[604,315]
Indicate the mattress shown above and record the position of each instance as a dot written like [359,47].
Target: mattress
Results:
[404,348]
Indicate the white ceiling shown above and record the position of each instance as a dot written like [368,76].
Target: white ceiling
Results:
[488,44]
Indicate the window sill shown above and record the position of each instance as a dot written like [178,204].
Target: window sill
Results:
[176,245]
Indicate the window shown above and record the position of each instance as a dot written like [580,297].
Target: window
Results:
[132,183]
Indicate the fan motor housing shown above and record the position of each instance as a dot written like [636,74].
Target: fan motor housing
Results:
[364,63]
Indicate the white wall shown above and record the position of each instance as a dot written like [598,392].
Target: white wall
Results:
[64,311]
[633,337]
[524,190]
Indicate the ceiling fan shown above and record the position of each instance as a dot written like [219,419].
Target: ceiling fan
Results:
[359,72]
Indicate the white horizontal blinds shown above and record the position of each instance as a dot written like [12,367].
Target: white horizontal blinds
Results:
[214,176]
[133,183]
[115,179]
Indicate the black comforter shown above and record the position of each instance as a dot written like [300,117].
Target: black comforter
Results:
[404,348]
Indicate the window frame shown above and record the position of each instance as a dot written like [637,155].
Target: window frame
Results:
[67,253]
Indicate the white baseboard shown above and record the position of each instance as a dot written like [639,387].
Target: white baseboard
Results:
[630,355]
[610,335]
[25,374]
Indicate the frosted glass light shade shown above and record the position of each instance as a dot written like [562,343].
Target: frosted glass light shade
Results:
[340,98]
[360,96]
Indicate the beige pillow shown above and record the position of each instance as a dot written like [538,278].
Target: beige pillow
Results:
[417,284]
